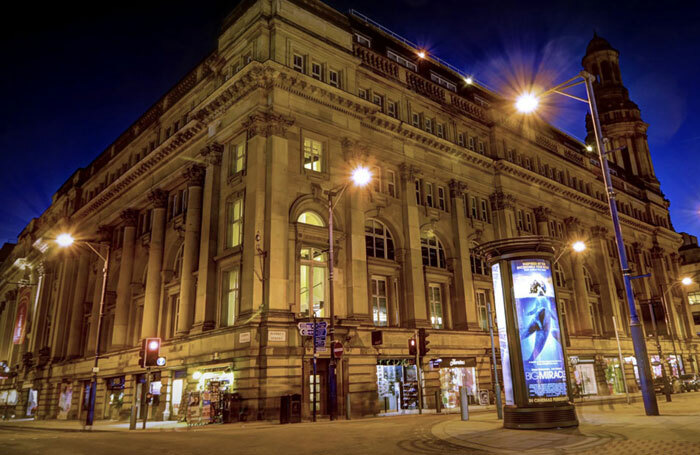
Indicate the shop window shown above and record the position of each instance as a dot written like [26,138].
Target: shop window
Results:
[314,159]
[379,301]
[454,378]
[694,298]
[435,302]
[234,222]
[236,158]
[432,251]
[482,299]
[378,240]
[311,218]
[312,280]
[231,295]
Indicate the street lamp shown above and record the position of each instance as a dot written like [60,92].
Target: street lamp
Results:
[671,328]
[360,177]
[65,240]
[528,103]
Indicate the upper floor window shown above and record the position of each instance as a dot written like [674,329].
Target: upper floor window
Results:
[587,280]
[312,280]
[435,303]
[442,204]
[401,60]
[432,251]
[334,78]
[236,158]
[298,62]
[234,222]
[378,100]
[472,144]
[317,71]
[442,81]
[428,125]
[694,298]
[417,186]
[177,267]
[379,301]
[378,240]
[391,109]
[475,207]
[484,211]
[313,155]
[230,296]
[429,194]
[415,119]
[482,148]
[440,130]
[362,93]
[361,39]
[310,218]
[391,183]
[479,266]
[559,279]
[460,139]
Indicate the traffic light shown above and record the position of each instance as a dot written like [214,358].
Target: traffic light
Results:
[149,354]
[423,342]
[412,346]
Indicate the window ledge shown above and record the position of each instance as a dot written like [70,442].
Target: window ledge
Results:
[228,252]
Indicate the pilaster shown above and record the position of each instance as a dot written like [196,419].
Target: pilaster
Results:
[126,270]
[464,316]
[151,304]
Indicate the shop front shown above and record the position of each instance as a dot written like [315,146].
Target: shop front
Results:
[65,400]
[114,397]
[209,401]
[456,372]
[397,385]
[613,376]
[672,364]
[584,376]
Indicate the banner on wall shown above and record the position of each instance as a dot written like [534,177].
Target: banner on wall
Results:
[538,328]
[502,332]
[25,295]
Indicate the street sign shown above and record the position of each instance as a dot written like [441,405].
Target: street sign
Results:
[320,341]
[338,349]
[310,325]
[309,333]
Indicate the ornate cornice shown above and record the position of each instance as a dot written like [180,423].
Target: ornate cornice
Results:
[194,175]
[129,217]
[158,198]
[501,200]
[267,124]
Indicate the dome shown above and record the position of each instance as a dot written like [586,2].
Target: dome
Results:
[598,44]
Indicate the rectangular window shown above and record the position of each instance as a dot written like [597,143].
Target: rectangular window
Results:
[482,298]
[401,60]
[229,300]
[298,63]
[391,183]
[313,155]
[442,81]
[528,222]
[429,194]
[379,301]
[234,222]
[362,93]
[472,145]
[482,148]
[361,39]
[442,205]
[475,208]
[334,78]
[429,125]
[316,71]
[377,179]
[391,109]
[415,119]
[440,130]
[460,139]
[418,198]
[519,219]
[312,280]
[236,158]
[435,301]
[484,211]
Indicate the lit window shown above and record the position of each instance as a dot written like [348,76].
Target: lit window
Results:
[334,78]
[298,63]
[378,240]
[694,298]
[313,155]
[379,301]
[310,218]
[234,225]
[312,279]
[435,300]
[231,293]
[316,71]
[432,251]
[237,158]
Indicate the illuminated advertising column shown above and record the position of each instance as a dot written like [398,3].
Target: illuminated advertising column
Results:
[535,374]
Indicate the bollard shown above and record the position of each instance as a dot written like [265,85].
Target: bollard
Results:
[464,406]
[438,402]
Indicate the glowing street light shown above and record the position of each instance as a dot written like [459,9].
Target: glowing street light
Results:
[526,103]
[361,176]
[579,246]
[589,148]
[65,240]
[421,54]
[687,281]
[468,80]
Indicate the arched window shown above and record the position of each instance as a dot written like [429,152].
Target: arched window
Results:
[607,71]
[312,277]
[587,279]
[178,262]
[378,240]
[311,218]
[559,279]
[432,251]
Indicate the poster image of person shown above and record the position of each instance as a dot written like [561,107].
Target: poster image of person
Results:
[538,327]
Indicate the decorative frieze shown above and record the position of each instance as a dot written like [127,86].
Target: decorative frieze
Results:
[267,124]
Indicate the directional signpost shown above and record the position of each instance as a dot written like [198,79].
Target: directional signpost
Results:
[318,330]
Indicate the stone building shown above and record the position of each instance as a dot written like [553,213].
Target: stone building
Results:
[213,206]
[690,268]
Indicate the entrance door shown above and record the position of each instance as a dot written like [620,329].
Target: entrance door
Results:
[320,389]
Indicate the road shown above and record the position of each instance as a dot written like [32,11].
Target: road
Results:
[605,429]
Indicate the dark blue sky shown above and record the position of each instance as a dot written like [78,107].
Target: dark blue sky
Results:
[74,78]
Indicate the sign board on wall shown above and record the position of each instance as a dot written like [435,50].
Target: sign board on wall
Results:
[244,337]
[25,294]
[277,335]
[539,333]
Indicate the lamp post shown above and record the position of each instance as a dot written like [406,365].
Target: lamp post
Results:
[685,281]
[360,177]
[64,241]
[528,103]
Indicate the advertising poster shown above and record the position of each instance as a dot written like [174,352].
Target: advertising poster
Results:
[21,320]
[502,332]
[65,398]
[538,327]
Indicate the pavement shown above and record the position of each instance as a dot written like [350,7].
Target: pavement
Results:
[605,428]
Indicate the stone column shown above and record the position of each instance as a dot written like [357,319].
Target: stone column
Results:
[76,320]
[62,306]
[151,305]
[45,272]
[126,270]
[95,310]
[464,316]
[542,215]
[608,290]
[190,251]
[502,208]
[415,314]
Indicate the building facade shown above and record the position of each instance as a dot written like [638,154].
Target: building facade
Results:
[214,208]
[690,268]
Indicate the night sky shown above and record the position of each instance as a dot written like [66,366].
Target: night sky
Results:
[73,78]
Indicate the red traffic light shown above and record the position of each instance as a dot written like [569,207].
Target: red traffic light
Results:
[150,352]
[153,344]
[412,346]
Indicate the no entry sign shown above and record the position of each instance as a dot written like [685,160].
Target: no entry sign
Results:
[338,349]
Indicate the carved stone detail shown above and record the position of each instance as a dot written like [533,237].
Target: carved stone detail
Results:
[158,198]
[212,153]
[130,217]
[542,214]
[502,201]
[267,124]
[104,233]
[657,252]
[194,175]
[599,232]
[408,172]
[354,151]
[457,188]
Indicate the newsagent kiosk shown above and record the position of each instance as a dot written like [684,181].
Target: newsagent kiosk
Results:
[533,357]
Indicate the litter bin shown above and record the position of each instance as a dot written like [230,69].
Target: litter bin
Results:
[232,407]
[290,408]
